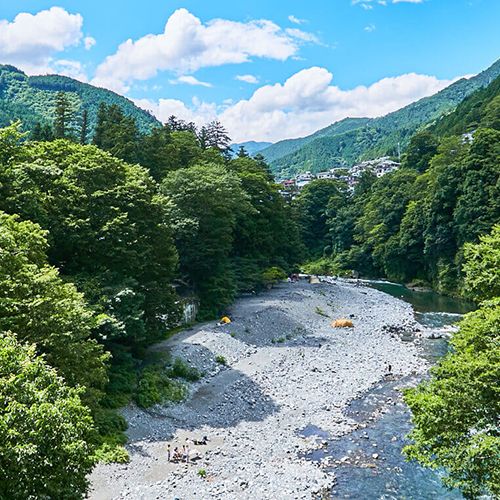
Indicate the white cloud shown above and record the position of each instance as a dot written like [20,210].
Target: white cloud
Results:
[247,79]
[190,80]
[370,28]
[295,20]
[199,112]
[31,40]
[407,1]
[302,35]
[89,42]
[73,69]
[308,101]
[187,45]
[304,103]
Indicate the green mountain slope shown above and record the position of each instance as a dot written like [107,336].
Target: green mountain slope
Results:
[364,138]
[480,109]
[32,99]
[288,146]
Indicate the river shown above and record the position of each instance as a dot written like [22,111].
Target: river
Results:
[368,463]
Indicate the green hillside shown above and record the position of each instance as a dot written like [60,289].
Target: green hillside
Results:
[480,109]
[288,146]
[352,140]
[32,99]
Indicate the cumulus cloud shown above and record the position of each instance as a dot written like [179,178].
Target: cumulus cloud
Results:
[304,103]
[71,68]
[190,80]
[30,41]
[370,28]
[199,112]
[89,42]
[308,101]
[187,45]
[247,79]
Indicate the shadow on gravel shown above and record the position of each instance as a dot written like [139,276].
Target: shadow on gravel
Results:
[222,400]
[230,397]
[259,315]
[254,329]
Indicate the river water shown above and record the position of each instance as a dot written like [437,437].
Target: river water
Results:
[368,463]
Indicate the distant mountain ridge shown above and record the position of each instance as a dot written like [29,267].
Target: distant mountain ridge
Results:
[355,139]
[32,99]
[251,147]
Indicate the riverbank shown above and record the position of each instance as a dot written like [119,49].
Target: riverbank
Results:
[287,369]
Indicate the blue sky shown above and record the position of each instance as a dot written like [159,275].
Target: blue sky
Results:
[268,70]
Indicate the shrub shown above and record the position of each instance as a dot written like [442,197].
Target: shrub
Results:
[220,359]
[273,275]
[180,369]
[155,386]
[322,267]
[108,453]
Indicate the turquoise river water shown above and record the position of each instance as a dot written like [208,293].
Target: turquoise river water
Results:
[388,475]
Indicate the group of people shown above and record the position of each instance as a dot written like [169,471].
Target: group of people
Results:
[178,455]
[186,454]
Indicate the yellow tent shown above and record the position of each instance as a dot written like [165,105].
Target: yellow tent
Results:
[225,320]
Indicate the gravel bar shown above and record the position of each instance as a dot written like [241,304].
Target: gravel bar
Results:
[287,369]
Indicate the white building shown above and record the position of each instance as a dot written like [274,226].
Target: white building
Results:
[304,179]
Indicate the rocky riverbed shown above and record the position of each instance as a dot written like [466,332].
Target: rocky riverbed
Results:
[287,371]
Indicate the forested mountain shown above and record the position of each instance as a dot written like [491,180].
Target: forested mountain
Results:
[478,109]
[251,147]
[33,99]
[352,140]
[288,146]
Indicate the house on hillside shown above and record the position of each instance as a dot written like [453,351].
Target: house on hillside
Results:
[304,179]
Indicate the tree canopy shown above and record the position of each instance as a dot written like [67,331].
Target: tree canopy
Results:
[45,430]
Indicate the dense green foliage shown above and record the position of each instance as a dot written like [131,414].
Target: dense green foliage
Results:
[482,267]
[351,140]
[33,99]
[312,209]
[107,231]
[45,430]
[456,412]
[206,201]
[96,241]
[43,310]
[413,223]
